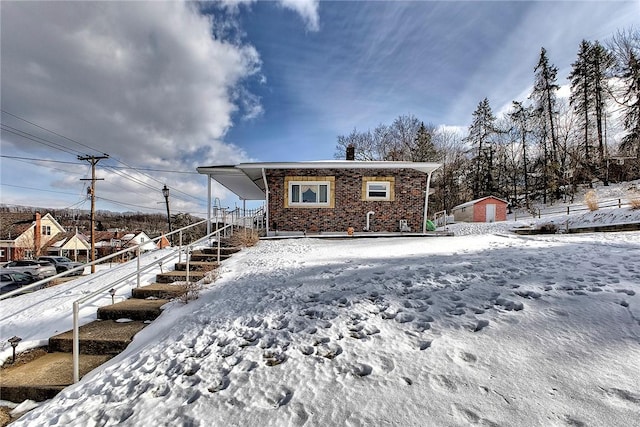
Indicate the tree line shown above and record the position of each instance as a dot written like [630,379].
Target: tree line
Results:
[544,147]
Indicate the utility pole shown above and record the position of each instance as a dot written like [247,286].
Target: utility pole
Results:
[93,160]
[165,193]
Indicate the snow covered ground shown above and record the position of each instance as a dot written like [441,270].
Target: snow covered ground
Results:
[484,328]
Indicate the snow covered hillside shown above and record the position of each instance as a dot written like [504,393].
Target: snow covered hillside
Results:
[492,329]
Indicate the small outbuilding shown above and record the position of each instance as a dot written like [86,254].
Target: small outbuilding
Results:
[486,209]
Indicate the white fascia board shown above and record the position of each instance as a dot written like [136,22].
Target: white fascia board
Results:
[425,167]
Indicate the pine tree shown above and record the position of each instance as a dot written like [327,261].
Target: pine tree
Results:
[521,117]
[589,91]
[581,98]
[480,135]
[423,149]
[544,96]
[625,48]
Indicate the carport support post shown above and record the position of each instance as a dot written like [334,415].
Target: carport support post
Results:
[76,343]
[426,204]
[209,205]
[138,269]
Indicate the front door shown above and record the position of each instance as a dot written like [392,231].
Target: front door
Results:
[490,213]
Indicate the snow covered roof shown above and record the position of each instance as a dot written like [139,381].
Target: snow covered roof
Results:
[245,179]
[473,202]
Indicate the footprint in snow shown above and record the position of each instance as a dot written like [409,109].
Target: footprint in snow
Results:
[528,294]
[274,357]
[329,350]
[423,345]
[361,370]
[404,317]
[218,383]
[307,350]
[626,291]
[509,305]
[278,397]
[480,325]
[421,326]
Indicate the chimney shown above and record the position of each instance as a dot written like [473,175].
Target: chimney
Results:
[37,235]
[351,152]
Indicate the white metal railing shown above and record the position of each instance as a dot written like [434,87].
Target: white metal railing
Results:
[113,285]
[136,248]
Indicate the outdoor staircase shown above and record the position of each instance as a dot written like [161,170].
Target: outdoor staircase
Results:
[45,376]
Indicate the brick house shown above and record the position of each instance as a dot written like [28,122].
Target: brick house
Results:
[486,209]
[331,196]
[26,235]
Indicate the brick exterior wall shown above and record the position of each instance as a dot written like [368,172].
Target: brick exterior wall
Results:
[480,210]
[349,209]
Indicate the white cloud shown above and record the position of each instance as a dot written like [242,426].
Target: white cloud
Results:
[146,82]
[308,10]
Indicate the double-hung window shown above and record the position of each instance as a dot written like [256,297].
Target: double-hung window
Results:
[309,193]
[46,230]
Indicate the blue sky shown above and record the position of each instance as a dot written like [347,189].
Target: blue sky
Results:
[166,87]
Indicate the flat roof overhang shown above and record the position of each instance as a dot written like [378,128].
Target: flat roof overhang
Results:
[245,179]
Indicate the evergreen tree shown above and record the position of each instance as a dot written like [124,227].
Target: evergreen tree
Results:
[581,98]
[480,135]
[521,117]
[625,48]
[589,89]
[544,97]
[423,149]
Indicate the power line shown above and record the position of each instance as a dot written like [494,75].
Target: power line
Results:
[35,138]
[128,204]
[39,160]
[110,167]
[49,130]
[38,189]
[49,167]
[91,148]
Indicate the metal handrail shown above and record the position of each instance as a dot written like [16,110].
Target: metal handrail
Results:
[98,261]
[113,285]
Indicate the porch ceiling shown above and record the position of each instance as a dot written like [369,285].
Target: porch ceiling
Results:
[247,186]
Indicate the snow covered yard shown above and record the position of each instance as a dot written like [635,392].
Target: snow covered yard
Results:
[491,329]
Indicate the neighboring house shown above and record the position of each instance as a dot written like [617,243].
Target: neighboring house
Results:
[137,238]
[108,242]
[72,245]
[26,235]
[332,196]
[486,209]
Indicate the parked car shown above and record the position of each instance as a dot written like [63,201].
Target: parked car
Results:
[62,263]
[11,280]
[38,269]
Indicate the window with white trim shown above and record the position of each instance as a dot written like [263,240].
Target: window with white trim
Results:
[378,190]
[309,193]
[46,230]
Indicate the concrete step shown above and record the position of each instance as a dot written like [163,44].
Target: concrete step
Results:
[158,290]
[179,276]
[135,309]
[98,337]
[214,250]
[44,377]
[196,266]
[198,256]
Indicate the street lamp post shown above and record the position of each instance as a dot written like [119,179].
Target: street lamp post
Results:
[165,193]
